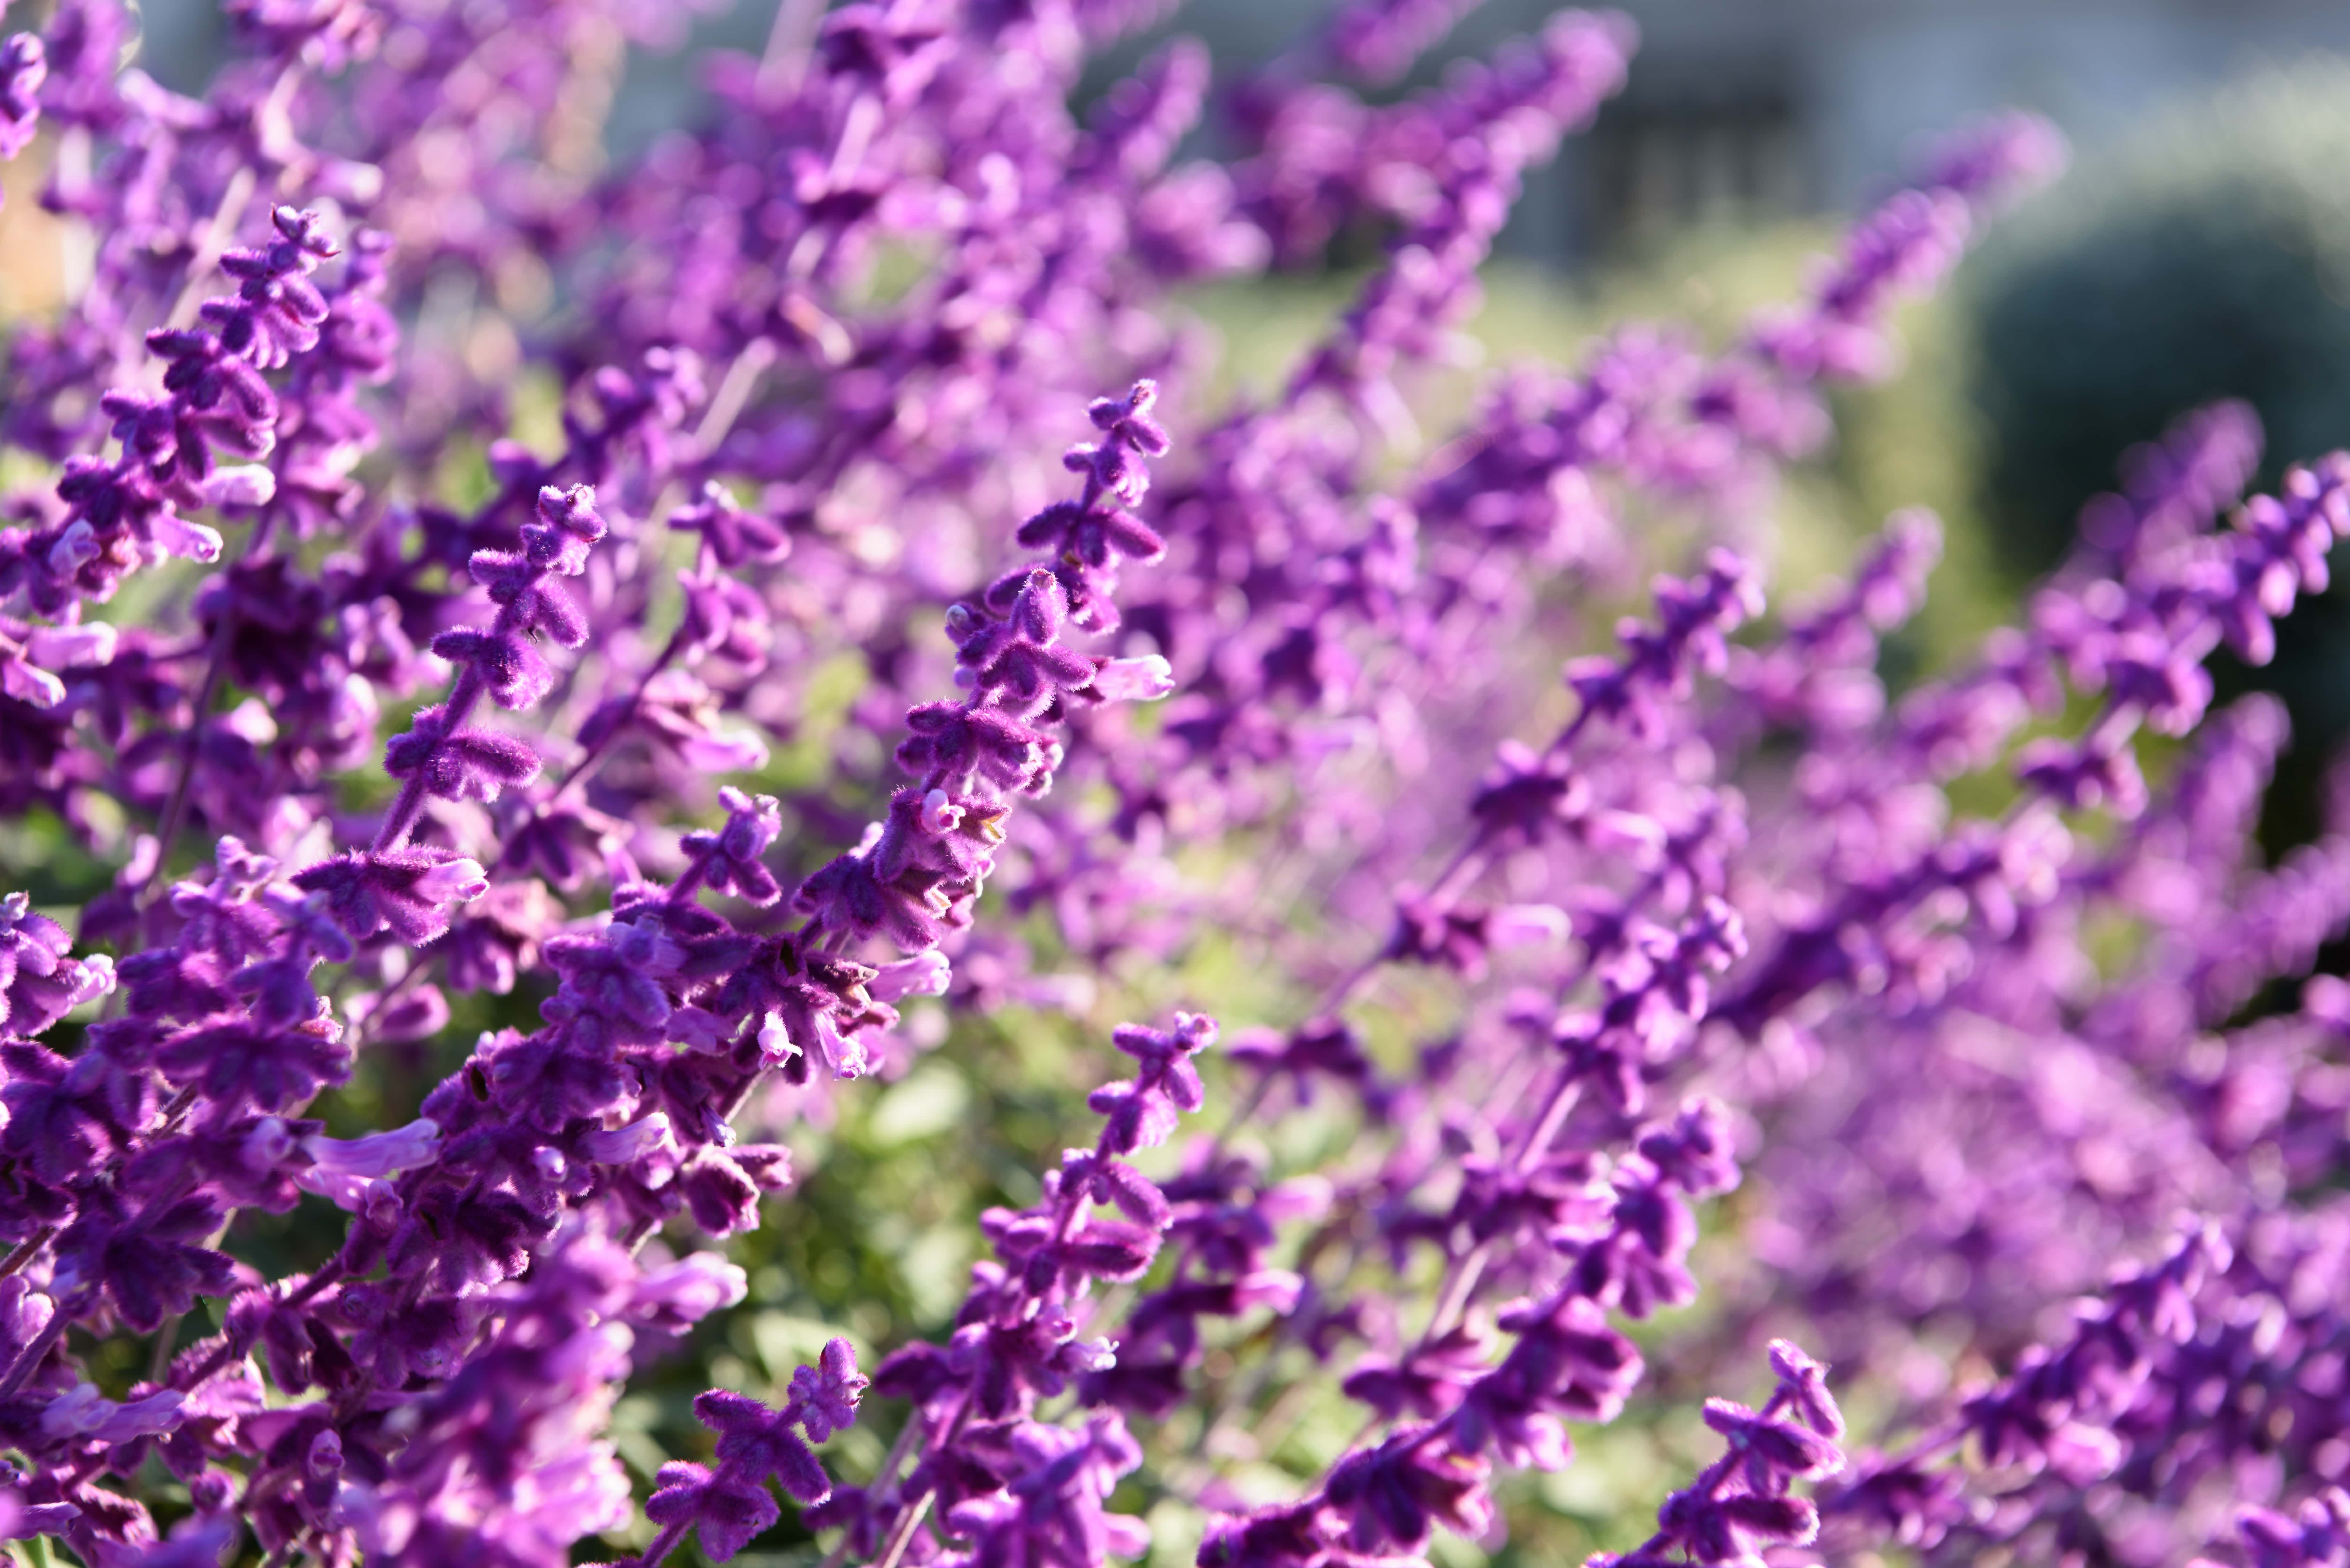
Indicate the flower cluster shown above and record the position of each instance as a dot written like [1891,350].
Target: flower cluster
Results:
[531,726]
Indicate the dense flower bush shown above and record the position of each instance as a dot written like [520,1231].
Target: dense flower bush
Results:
[498,883]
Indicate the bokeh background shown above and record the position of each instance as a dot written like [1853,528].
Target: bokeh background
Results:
[2198,247]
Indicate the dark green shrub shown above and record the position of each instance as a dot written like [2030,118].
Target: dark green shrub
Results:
[2207,258]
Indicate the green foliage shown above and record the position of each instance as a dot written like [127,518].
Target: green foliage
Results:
[2207,258]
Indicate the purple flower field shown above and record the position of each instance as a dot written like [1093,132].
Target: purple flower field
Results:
[712,855]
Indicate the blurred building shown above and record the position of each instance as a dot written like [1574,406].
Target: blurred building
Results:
[1743,109]
[1738,109]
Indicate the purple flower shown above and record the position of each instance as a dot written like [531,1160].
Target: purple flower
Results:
[759,1443]
[250,1062]
[24,66]
[1144,1112]
[150,1263]
[1394,1495]
[39,983]
[404,891]
[730,534]
[726,1511]
[1770,1452]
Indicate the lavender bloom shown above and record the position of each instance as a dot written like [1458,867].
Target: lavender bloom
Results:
[2054,1416]
[1819,676]
[914,880]
[2312,1534]
[731,1504]
[120,515]
[1011,1483]
[39,980]
[1325,156]
[1378,39]
[441,756]
[24,66]
[1740,1506]
[1479,136]
[729,420]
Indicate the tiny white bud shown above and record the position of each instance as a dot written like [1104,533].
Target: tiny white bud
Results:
[775,1040]
[1523,925]
[924,974]
[78,543]
[27,684]
[1143,679]
[70,647]
[941,816]
[175,535]
[243,485]
[459,881]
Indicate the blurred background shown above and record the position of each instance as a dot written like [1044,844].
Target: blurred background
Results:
[2200,247]
[1756,112]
